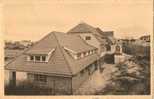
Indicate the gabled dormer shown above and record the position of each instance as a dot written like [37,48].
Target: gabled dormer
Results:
[39,55]
[80,55]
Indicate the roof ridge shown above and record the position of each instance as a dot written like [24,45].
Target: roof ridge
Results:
[83,24]
[62,53]
[39,41]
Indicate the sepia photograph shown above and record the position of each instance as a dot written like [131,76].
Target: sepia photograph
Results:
[77,47]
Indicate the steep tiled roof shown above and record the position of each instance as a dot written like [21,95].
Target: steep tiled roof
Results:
[44,45]
[82,28]
[104,33]
[73,42]
[99,31]
[108,35]
[61,62]
[86,28]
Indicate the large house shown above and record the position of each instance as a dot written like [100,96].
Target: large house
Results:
[58,61]
[90,35]
[103,40]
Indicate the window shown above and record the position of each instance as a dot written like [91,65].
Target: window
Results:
[79,55]
[31,58]
[88,38]
[84,53]
[40,78]
[37,58]
[43,58]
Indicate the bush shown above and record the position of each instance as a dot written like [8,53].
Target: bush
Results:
[26,88]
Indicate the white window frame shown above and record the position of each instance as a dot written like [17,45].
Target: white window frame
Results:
[47,57]
[36,57]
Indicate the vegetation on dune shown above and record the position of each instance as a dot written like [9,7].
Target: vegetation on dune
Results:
[134,80]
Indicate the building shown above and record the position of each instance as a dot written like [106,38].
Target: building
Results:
[95,37]
[90,35]
[145,38]
[58,61]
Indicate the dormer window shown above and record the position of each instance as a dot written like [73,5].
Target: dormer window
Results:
[40,57]
[37,58]
[80,55]
[88,38]
[85,54]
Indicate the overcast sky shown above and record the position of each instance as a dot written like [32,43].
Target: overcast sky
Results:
[33,19]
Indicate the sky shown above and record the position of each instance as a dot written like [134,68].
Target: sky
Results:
[33,19]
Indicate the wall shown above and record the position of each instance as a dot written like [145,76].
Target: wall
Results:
[78,79]
[58,85]
[94,42]
[7,77]
[119,59]
[20,77]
